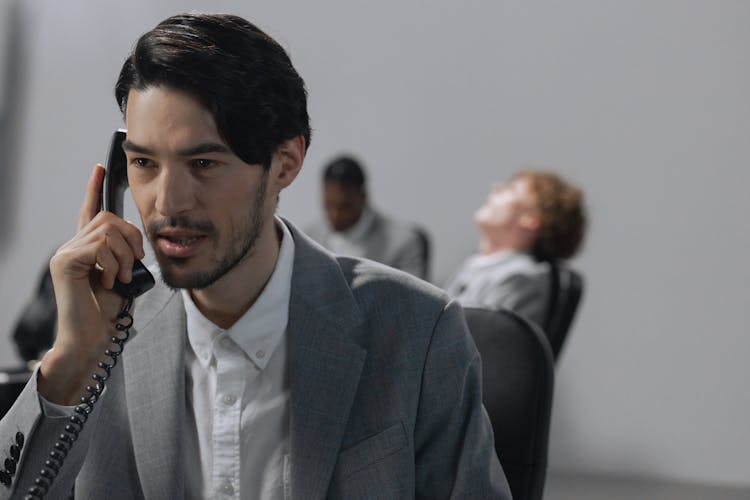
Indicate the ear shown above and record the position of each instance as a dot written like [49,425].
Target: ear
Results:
[287,162]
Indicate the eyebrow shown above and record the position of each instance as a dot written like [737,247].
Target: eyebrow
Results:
[198,149]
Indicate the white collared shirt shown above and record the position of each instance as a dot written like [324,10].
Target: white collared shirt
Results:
[237,440]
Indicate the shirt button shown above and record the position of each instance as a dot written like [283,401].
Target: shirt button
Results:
[229,399]
[226,487]
[260,353]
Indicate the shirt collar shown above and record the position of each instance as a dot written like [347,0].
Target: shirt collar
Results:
[259,331]
[484,260]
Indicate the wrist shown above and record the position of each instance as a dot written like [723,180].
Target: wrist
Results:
[63,375]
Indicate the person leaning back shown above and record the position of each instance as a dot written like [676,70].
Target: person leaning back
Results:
[525,224]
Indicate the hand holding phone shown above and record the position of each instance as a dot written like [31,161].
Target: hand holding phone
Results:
[85,273]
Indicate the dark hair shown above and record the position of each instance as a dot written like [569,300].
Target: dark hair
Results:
[346,171]
[562,215]
[239,73]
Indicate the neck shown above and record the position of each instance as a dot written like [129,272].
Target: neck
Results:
[488,249]
[225,301]
[489,244]
[501,241]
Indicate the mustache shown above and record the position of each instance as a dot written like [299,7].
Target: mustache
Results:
[180,222]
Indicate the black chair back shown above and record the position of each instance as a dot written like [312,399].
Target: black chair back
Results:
[12,382]
[517,386]
[34,332]
[424,241]
[565,296]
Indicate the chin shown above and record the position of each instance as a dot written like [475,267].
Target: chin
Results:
[192,281]
[176,279]
[179,273]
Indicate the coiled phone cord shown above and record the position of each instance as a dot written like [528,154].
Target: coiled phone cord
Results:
[72,430]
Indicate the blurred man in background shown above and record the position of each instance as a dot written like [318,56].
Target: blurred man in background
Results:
[524,224]
[352,227]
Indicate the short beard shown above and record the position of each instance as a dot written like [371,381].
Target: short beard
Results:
[236,253]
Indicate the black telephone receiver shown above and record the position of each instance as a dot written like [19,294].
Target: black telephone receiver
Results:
[115,183]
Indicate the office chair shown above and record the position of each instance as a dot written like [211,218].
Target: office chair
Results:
[424,241]
[34,331]
[517,386]
[565,295]
[12,382]
[33,334]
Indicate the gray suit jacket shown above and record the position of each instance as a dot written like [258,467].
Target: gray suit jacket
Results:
[385,397]
[388,242]
[514,281]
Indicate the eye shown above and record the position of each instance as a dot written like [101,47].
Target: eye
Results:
[141,162]
[203,164]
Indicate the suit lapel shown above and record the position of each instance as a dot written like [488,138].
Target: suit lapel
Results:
[155,391]
[325,363]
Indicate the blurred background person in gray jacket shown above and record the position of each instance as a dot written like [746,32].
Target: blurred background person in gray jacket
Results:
[353,227]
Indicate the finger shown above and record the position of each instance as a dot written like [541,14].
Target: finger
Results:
[108,264]
[121,250]
[103,252]
[134,237]
[113,223]
[92,202]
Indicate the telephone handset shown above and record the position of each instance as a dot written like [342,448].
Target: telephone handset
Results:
[115,183]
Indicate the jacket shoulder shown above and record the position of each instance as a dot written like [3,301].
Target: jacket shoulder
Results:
[376,286]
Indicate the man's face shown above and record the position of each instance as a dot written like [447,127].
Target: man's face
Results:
[507,205]
[202,207]
[343,205]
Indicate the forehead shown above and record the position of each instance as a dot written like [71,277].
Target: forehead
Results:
[157,113]
[522,186]
[336,191]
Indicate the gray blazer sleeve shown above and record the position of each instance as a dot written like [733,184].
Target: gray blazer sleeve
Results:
[454,443]
[40,433]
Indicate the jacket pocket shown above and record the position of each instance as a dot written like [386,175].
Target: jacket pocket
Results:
[381,466]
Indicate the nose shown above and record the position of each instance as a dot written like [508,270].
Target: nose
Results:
[175,193]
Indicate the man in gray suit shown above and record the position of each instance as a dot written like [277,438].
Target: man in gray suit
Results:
[354,228]
[260,365]
[524,224]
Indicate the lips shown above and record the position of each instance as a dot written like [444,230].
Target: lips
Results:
[179,244]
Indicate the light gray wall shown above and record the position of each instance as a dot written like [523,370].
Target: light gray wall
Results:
[644,103]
